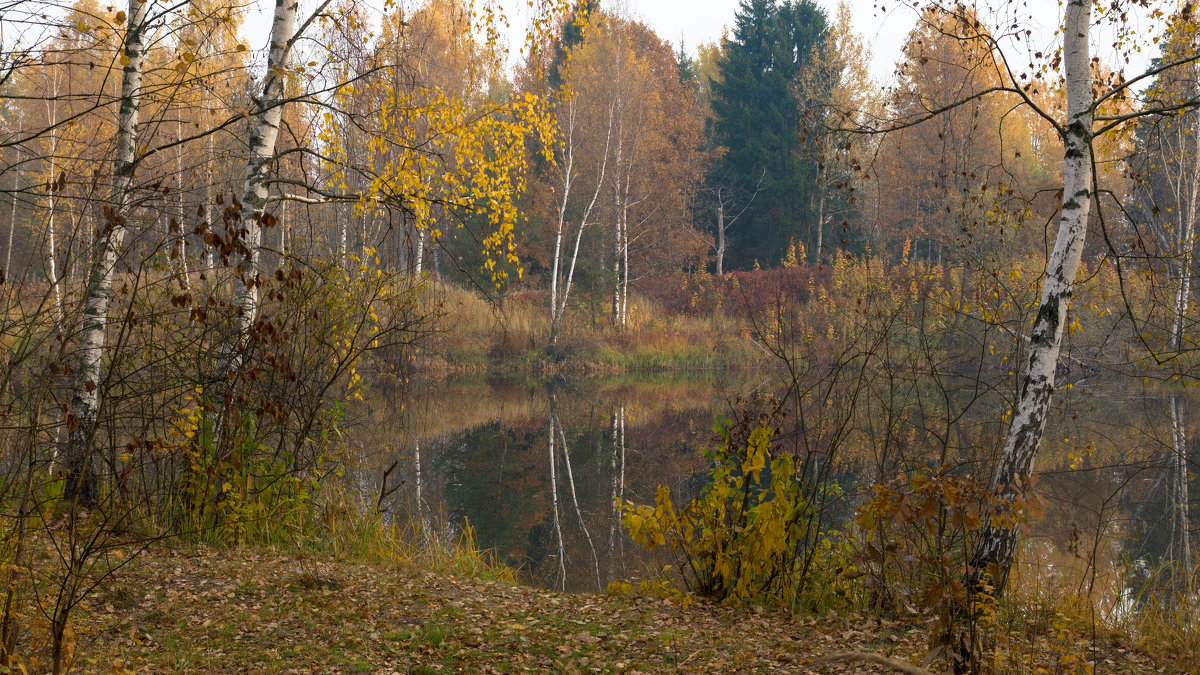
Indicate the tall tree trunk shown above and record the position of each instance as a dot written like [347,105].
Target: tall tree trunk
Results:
[1187,195]
[208,198]
[1181,500]
[568,168]
[618,163]
[821,217]
[52,187]
[283,232]
[179,231]
[720,237]
[268,114]
[12,218]
[419,261]
[80,483]
[566,451]
[559,294]
[994,552]
[625,261]
[562,549]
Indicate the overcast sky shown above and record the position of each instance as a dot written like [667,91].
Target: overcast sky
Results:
[883,23]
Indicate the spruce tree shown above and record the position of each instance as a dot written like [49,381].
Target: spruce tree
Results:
[758,123]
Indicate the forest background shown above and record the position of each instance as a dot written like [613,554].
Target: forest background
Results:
[212,255]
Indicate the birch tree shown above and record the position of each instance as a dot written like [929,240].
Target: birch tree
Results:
[570,226]
[1087,121]
[80,483]
[1097,108]
[1167,168]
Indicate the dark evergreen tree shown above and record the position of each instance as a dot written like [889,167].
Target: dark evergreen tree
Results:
[758,123]
[572,35]
[687,67]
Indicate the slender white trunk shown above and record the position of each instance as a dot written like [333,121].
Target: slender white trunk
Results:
[562,437]
[12,217]
[562,550]
[568,169]
[51,203]
[344,235]
[821,216]
[560,293]
[618,163]
[420,253]
[617,468]
[1186,195]
[997,544]
[1181,499]
[248,230]
[180,231]
[625,256]
[79,468]
[720,237]
[52,255]
[621,469]
[208,198]
[283,232]
[614,513]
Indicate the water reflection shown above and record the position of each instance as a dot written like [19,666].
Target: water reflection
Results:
[537,470]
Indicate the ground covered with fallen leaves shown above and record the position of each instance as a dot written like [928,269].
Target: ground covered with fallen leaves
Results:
[250,611]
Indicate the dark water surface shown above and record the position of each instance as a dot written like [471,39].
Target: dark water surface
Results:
[535,468]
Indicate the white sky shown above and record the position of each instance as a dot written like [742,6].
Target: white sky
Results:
[884,24]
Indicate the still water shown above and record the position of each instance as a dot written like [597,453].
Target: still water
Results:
[536,468]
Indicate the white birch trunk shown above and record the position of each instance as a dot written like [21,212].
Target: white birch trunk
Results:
[208,198]
[180,244]
[720,237]
[996,547]
[1181,499]
[562,437]
[12,219]
[618,162]
[283,232]
[562,549]
[419,260]
[51,204]
[625,255]
[568,169]
[79,468]
[558,298]
[265,130]
[821,216]
[1187,190]
[424,522]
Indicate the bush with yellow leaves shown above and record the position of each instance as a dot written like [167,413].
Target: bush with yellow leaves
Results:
[751,535]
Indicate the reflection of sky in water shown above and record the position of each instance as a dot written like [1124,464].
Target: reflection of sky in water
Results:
[483,454]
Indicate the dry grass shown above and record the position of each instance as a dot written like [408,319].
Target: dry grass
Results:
[477,335]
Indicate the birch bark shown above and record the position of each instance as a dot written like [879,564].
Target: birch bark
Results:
[996,547]
[81,481]
[560,292]
[12,217]
[720,236]
[1186,192]
[179,231]
[247,234]
[52,188]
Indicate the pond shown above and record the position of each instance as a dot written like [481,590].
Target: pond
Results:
[536,468]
